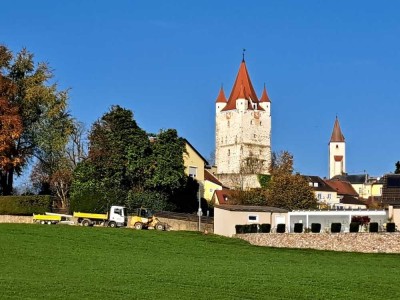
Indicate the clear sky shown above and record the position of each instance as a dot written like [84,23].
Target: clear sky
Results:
[166,60]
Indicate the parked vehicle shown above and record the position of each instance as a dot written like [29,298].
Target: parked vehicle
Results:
[144,218]
[117,217]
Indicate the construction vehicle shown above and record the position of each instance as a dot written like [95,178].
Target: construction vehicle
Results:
[117,217]
[144,218]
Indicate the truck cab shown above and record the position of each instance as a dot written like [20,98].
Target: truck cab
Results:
[118,216]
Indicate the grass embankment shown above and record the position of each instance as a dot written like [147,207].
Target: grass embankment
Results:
[66,262]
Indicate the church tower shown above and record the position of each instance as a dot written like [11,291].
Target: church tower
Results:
[242,133]
[337,152]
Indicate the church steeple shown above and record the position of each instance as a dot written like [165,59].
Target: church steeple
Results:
[264,96]
[337,135]
[221,96]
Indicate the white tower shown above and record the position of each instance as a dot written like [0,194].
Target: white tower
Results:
[337,152]
[243,133]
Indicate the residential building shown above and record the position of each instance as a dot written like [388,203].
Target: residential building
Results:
[324,193]
[242,133]
[347,195]
[391,189]
[211,184]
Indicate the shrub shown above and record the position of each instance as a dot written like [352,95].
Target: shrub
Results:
[298,227]
[265,228]
[281,228]
[354,226]
[373,227]
[390,227]
[336,227]
[315,227]
[25,205]
[239,229]
[253,228]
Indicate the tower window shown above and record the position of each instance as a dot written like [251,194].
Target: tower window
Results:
[229,152]
[337,147]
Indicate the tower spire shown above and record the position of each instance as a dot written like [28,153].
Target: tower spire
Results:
[337,135]
[243,54]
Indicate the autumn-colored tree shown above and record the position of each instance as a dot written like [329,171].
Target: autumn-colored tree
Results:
[288,190]
[397,170]
[41,109]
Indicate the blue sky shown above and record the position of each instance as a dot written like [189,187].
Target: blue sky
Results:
[166,60]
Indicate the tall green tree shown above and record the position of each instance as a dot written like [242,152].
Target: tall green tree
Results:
[42,109]
[288,190]
[397,170]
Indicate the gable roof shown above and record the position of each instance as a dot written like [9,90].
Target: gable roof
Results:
[222,196]
[210,177]
[351,200]
[354,179]
[197,152]
[342,187]
[337,135]
[242,89]
[322,186]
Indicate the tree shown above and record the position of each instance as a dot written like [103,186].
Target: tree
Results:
[397,171]
[41,108]
[288,190]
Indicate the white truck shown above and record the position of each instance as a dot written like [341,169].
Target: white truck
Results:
[116,217]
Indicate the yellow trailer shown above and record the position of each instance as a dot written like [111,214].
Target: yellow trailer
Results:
[46,219]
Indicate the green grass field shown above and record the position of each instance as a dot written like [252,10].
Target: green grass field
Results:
[68,262]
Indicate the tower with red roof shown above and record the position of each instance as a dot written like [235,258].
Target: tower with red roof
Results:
[242,133]
[337,151]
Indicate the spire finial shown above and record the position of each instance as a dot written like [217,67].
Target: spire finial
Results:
[243,54]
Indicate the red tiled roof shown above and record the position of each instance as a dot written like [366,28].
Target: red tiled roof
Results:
[264,96]
[242,89]
[222,196]
[351,200]
[210,177]
[337,135]
[342,187]
[221,96]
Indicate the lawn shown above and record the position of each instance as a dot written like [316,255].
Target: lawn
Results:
[68,262]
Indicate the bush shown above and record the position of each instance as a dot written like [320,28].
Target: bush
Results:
[354,226]
[25,205]
[390,227]
[315,227]
[336,227]
[265,228]
[373,227]
[253,228]
[298,227]
[281,228]
[239,229]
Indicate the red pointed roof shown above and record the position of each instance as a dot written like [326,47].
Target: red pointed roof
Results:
[221,96]
[337,135]
[264,96]
[242,88]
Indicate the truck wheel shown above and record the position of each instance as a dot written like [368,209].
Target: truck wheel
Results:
[85,223]
[112,224]
[138,226]
[42,222]
[160,226]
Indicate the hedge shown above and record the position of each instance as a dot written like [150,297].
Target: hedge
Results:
[336,227]
[298,227]
[281,228]
[25,205]
[390,227]
[315,227]
[373,227]
[354,226]
[265,228]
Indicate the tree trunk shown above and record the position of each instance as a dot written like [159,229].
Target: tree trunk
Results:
[6,179]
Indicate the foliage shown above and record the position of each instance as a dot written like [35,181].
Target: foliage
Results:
[287,190]
[42,111]
[123,162]
[361,220]
[249,197]
[24,205]
[264,180]
[150,199]
[77,252]
[397,170]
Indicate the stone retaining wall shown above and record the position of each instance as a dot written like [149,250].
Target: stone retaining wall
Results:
[15,219]
[349,242]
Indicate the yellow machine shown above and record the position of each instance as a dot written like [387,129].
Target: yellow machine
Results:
[144,218]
